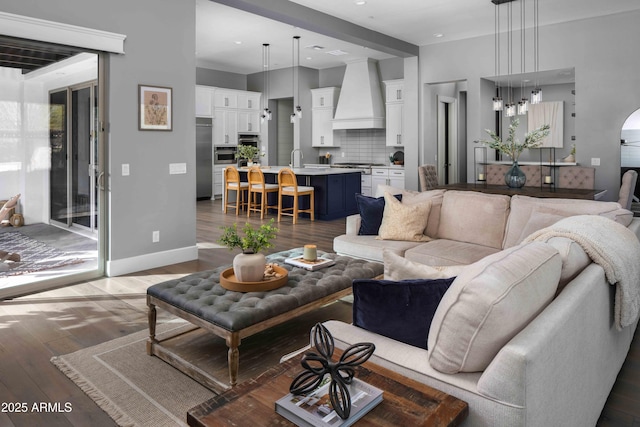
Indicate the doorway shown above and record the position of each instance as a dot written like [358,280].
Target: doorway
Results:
[73,187]
[448,140]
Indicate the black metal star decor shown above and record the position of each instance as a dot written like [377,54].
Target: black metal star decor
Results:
[318,364]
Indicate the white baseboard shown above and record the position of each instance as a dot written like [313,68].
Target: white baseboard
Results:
[149,261]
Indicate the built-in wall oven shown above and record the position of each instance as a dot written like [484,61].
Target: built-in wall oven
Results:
[224,154]
[249,139]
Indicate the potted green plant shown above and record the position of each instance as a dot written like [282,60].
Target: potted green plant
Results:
[512,147]
[248,266]
[248,152]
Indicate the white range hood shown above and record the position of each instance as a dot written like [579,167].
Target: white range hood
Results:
[360,105]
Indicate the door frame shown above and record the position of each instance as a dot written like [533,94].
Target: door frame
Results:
[447,150]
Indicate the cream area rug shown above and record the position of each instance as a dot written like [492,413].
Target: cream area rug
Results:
[136,389]
[133,388]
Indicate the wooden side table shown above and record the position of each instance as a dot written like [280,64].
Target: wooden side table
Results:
[406,402]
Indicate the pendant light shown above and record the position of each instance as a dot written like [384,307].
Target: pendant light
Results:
[510,107]
[295,65]
[536,93]
[266,60]
[497,100]
[523,104]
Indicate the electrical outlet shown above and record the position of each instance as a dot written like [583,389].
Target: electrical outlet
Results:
[125,169]
[595,161]
[155,236]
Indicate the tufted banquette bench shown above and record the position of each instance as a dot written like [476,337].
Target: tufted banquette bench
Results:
[200,299]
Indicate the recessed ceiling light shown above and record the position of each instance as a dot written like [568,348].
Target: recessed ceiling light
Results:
[337,52]
[309,58]
[238,42]
[438,35]
[361,2]
[314,47]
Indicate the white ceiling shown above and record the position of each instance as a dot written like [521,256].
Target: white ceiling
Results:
[219,27]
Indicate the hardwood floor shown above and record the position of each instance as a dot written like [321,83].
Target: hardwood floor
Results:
[36,327]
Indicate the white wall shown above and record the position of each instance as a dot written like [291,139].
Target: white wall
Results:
[597,48]
[149,199]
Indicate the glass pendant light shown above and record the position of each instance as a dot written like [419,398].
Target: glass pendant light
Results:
[497,103]
[297,112]
[266,59]
[536,96]
[523,107]
[510,110]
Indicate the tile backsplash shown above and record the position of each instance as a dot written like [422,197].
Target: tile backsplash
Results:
[360,146]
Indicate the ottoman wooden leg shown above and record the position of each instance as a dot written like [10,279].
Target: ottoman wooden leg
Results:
[152,329]
[233,357]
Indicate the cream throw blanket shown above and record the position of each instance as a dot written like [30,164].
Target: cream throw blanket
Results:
[612,246]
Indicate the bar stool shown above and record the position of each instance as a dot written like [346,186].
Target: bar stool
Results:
[257,185]
[289,187]
[233,183]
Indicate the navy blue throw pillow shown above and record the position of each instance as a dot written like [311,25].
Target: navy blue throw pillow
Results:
[371,210]
[400,310]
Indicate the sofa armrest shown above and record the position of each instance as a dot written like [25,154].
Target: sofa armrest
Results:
[353,224]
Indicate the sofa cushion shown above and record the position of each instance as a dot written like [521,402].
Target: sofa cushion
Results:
[433,196]
[369,247]
[413,197]
[574,259]
[404,222]
[469,216]
[489,303]
[525,209]
[401,310]
[397,267]
[371,210]
[448,252]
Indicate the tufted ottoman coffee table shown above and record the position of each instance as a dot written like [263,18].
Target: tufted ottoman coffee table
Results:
[200,299]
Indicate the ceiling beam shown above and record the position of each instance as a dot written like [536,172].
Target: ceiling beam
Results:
[310,19]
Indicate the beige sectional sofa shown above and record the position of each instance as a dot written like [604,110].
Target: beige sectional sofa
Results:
[547,349]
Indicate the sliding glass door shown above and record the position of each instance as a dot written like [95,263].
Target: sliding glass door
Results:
[74,157]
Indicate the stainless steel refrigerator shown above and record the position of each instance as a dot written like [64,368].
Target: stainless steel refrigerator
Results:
[204,157]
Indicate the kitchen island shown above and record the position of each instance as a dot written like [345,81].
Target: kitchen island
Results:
[334,189]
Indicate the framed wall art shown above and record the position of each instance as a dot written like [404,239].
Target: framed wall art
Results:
[155,108]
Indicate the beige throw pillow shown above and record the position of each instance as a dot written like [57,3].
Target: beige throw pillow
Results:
[489,303]
[402,222]
[399,268]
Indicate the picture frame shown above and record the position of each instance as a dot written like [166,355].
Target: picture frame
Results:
[155,108]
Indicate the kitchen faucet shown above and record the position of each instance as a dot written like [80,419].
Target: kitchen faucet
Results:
[293,151]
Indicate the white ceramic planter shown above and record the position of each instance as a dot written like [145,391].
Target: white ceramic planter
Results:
[249,267]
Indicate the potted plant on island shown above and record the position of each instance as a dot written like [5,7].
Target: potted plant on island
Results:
[512,147]
[249,265]
[248,152]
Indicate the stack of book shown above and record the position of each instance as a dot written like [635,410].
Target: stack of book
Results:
[316,264]
[314,409]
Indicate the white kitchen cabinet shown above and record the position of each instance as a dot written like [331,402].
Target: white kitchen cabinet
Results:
[393,177]
[204,101]
[248,121]
[394,109]
[394,90]
[322,128]
[249,101]
[225,98]
[365,185]
[394,125]
[218,178]
[323,101]
[325,97]
[225,127]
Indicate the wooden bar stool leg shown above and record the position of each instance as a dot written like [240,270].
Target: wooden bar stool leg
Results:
[262,204]
[226,198]
[238,191]
[295,208]
[279,205]
[313,208]
[251,193]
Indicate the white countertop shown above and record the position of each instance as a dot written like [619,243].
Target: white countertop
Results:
[307,171]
